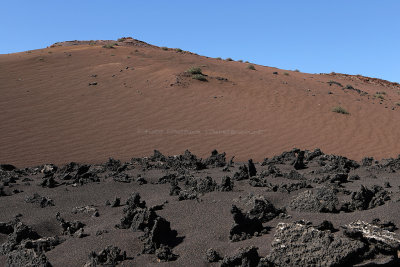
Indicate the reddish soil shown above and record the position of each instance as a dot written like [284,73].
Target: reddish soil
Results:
[143,101]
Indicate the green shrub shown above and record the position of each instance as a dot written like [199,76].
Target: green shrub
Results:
[197,73]
[381,93]
[229,59]
[340,110]
[178,50]
[334,82]
[296,70]
[286,73]
[380,96]
[219,58]
[199,77]
[194,70]
[164,48]
[397,103]
[108,46]
[251,67]
[240,60]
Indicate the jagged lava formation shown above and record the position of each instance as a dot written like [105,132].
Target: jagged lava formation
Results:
[299,208]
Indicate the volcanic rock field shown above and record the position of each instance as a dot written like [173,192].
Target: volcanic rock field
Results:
[299,208]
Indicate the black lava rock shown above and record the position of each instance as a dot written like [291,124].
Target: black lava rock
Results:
[301,244]
[157,231]
[299,162]
[245,226]
[212,255]
[164,253]
[27,257]
[69,228]
[263,210]
[7,167]
[110,256]
[252,168]
[242,174]
[216,159]
[175,189]
[322,199]
[244,257]
[226,184]
[41,201]
[367,198]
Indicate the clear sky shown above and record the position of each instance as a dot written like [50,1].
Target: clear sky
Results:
[347,36]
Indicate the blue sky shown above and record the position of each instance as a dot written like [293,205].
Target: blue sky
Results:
[355,37]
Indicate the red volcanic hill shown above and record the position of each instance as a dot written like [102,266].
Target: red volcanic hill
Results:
[89,100]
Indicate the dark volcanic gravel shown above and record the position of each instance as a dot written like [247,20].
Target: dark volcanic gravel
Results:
[300,208]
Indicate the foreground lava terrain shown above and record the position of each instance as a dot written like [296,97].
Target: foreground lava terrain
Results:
[299,208]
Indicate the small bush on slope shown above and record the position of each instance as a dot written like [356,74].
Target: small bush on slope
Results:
[340,110]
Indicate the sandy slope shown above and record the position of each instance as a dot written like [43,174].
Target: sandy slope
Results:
[49,113]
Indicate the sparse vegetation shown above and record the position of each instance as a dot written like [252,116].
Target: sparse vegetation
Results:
[286,73]
[340,110]
[199,77]
[179,50]
[109,46]
[194,70]
[251,67]
[219,58]
[335,82]
[229,59]
[164,48]
[349,87]
[296,70]
[240,60]
[197,74]
[123,39]
[397,103]
[379,95]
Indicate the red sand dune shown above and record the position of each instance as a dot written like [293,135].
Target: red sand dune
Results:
[143,101]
